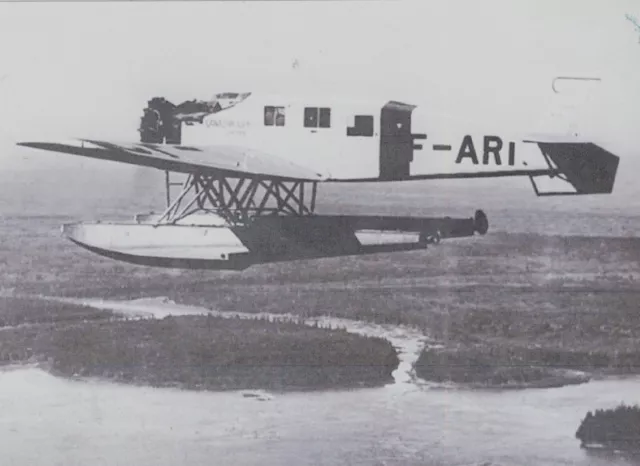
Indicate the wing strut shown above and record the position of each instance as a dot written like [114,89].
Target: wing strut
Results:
[236,200]
[168,185]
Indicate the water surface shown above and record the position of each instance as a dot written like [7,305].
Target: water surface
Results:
[51,421]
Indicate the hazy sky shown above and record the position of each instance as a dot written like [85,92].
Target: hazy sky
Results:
[87,69]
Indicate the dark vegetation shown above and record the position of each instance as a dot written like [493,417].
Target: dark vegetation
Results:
[496,366]
[192,352]
[613,429]
[223,354]
[571,328]
[18,311]
[597,333]
[27,325]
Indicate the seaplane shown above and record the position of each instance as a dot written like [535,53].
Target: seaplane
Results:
[251,164]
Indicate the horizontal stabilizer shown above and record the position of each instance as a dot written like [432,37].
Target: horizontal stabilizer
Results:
[587,167]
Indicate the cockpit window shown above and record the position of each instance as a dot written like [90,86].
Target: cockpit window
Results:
[274,116]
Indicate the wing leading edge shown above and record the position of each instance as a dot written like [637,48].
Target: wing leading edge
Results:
[210,160]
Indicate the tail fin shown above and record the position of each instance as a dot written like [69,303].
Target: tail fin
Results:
[578,166]
[570,105]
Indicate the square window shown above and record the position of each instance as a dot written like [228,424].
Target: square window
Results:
[274,116]
[363,126]
[269,116]
[325,118]
[311,117]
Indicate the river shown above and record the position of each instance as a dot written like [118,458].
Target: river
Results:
[54,421]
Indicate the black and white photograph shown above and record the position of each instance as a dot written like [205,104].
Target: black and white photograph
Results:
[316,232]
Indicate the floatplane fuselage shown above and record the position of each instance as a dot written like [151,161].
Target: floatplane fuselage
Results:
[351,140]
[253,163]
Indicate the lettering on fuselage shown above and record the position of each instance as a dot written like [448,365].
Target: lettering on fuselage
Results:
[490,154]
[218,123]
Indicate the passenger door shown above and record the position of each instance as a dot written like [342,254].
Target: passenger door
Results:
[396,141]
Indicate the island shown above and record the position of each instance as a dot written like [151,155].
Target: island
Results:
[494,367]
[612,430]
[190,352]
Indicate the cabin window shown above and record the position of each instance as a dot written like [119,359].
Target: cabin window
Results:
[310,117]
[274,116]
[362,126]
[315,117]
[325,118]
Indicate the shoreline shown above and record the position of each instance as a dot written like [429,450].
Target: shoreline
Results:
[610,450]
[564,378]
[154,343]
[408,342]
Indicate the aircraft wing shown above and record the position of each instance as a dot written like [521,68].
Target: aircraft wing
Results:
[205,160]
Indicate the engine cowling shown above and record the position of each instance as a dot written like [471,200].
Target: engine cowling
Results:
[158,124]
